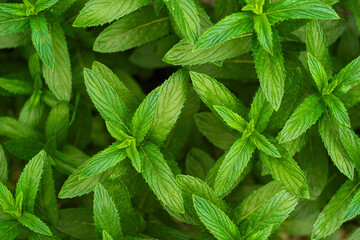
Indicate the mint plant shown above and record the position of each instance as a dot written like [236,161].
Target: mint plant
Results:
[179,119]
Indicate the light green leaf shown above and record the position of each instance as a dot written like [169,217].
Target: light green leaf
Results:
[293,9]
[10,23]
[41,5]
[106,235]
[29,181]
[264,33]
[230,118]
[303,118]
[271,71]
[260,111]
[3,166]
[182,54]
[99,12]
[273,212]
[351,143]
[18,9]
[348,77]
[58,79]
[185,14]
[144,116]
[228,28]
[286,172]
[330,135]
[263,144]
[331,217]
[9,230]
[161,180]
[212,93]
[337,109]
[233,165]
[133,153]
[316,45]
[172,96]
[198,163]
[34,224]
[353,209]
[317,72]
[16,86]
[105,213]
[107,102]
[57,123]
[41,39]
[215,220]
[7,201]
[102,161]
[133,30]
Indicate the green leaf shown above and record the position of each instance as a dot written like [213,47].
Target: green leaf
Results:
[41,5]
[264,33]
[57,123]
[224,8]
[331,217]
[351,143]
[185,14]
[317,72]
[348,77]
[133,30]
[41,39]
[29,180]
[260,111]
[233,165]
[355,235]
[198,163]
[15,9]
[106,235]
[330,135]
[34,224]
[99,12]
[14,129]
[303,118]
[273,212]
[10,23]
[133,153]
[105,213]
[263,144]
[31,113]
[337,109]
[161,180]
[212,93]
[7,201]
[172,96]
[270,71]
[16,86]
[215,220]
[353,209]
[292,9]
[263,234]
[232,119]
[286,172]
[144,116]
[3,166]
[58,78]
[102,161]
[107,102]
[316,45]
[9,230]
[182,53]
[228,28]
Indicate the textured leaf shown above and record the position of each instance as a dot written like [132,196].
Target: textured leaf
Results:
[351,143]
[273,212]
[353,209]
[317,72]
[337,109]
[330,135]
[214,93]
[316,45]
[14,129]
[198,163]
[186,17]
[41,39]
[41,5]
[99,12]
[106,235]
[355,235]
[31,113]
[133,153]
[102,161]
[233,164]
[29,181]
[182,53]
[215,220]
[232,119]
[7,201]
[160,178]
[228,28]
[172,96]
[15,9]
[10,23]
[34,224]
[105,213]
[286,172]
[260,111]
[303,118]
[9,230]
[292,9]
[16,86]
[57,123]
[270,70]
[59,79]
[134,30]
[264,33]
[107,102]
[348,77]
[264,145]
[3,166]
[331,217]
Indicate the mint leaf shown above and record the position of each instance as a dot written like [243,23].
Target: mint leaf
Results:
[337,109]
[3,166]
[317,72]
[264,32]
[10,23]
[41,5]
[16,86]
[34,224]
[351,143]
[347,78]
[264,145]
[232,119]
[260,111]
[10,229]
[198,163]
[14,8]
[57,123]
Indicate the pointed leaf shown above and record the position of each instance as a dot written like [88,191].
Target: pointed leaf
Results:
[317,72]
[348,77]
[337,109]
[3,166]
[232,119]
[264,145]
[34,224]
[10,23]
[264,33]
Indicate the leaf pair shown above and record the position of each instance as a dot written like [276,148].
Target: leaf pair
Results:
[22,208]
[222,102]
